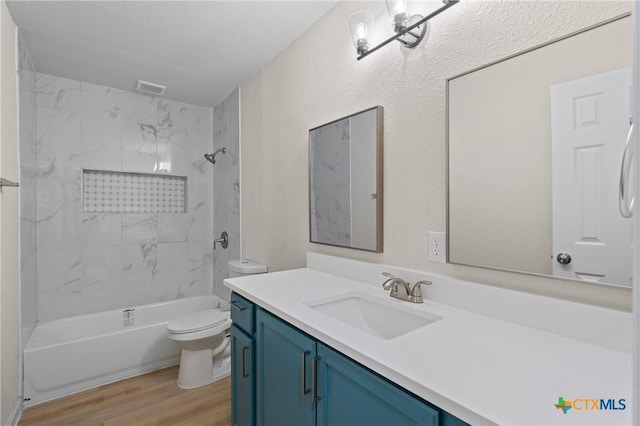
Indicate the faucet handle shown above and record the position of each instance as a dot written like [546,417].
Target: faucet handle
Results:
[416,292]
[419,283]
[388,283]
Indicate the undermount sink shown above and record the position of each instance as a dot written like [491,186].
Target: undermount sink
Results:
[372,315]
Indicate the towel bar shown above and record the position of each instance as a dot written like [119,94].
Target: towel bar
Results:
[5,182]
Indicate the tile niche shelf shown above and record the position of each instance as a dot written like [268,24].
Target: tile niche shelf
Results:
[125,192]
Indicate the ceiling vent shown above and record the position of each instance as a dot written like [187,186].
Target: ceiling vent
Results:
[151,88]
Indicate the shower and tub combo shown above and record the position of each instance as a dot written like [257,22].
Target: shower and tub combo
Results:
[114,248]
[74,354]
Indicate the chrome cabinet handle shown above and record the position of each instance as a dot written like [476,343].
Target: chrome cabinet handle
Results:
[626,204]
[304,373]
[238,307]
[244,358]
[314,380]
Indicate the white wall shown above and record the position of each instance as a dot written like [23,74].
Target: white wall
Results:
[28,189]
[9,301]
[317,79]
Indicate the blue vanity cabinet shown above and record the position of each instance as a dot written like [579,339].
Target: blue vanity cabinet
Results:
[242,362]
[349,394]
[283,373]
[300,381]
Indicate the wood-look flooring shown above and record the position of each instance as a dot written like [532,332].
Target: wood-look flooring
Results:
[150,399]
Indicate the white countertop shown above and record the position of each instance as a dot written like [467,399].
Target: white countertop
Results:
[480,369]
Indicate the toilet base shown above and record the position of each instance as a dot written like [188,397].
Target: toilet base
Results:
[197,368]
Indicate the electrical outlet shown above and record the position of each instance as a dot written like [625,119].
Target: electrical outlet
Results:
[438,247]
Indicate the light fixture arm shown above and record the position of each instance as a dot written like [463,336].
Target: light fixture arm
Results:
[447,5]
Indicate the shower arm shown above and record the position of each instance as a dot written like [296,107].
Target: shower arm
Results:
[212,157]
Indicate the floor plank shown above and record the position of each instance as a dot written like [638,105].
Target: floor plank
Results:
[150,399]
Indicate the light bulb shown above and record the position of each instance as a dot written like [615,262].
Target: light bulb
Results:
[396,7]
[361,24]
[398,12]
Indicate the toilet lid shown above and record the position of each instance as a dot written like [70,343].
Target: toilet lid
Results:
[197,321]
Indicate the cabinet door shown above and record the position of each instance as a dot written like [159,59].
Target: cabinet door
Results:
[352,395]
[242,374]
[283,373]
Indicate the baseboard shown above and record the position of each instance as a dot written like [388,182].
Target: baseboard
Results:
[16,413]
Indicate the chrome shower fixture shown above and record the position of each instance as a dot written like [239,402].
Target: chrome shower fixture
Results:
[212,157]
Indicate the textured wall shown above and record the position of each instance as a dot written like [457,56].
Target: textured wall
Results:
[317,79]
[90,262]
[226,187]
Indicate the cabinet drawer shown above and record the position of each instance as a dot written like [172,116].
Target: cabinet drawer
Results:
[242,312]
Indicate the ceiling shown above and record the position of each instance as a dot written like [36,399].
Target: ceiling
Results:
[201,50]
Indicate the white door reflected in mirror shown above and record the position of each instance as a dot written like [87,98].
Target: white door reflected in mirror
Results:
[589,122]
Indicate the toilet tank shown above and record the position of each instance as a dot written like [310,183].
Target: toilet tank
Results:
[242,267]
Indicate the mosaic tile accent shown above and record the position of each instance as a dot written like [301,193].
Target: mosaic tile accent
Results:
[118,192]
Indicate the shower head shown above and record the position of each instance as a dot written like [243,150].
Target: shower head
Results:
[212,157]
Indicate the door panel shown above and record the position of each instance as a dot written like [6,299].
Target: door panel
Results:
[590,121]
[352,395]
[283,373]
[242,378]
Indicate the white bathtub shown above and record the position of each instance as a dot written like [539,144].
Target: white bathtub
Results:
[78,353]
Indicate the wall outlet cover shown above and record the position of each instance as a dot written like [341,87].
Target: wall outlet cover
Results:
[438,246]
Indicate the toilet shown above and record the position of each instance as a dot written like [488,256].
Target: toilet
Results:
[242,267]
[204,337]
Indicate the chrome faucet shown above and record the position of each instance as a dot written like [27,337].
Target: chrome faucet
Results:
[400,289]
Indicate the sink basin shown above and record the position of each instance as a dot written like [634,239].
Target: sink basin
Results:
[372,315]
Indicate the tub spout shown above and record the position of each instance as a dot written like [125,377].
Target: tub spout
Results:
[128,317]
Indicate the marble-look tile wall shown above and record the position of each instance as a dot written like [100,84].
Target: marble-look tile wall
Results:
[90,262]
[226,187]
[27,135]
[330,176]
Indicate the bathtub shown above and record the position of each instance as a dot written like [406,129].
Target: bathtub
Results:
[73,354]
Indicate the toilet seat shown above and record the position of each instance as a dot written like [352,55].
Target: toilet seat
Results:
[197,321]
[199,324]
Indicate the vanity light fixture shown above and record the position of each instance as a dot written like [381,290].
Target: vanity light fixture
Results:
[361,24]
[410,29]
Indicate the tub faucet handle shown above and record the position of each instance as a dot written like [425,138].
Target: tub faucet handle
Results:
[223,240]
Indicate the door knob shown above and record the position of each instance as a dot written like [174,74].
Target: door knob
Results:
[564,258]
[223,240]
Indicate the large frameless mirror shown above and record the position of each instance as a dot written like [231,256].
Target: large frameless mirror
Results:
[535,148]
[345,181]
